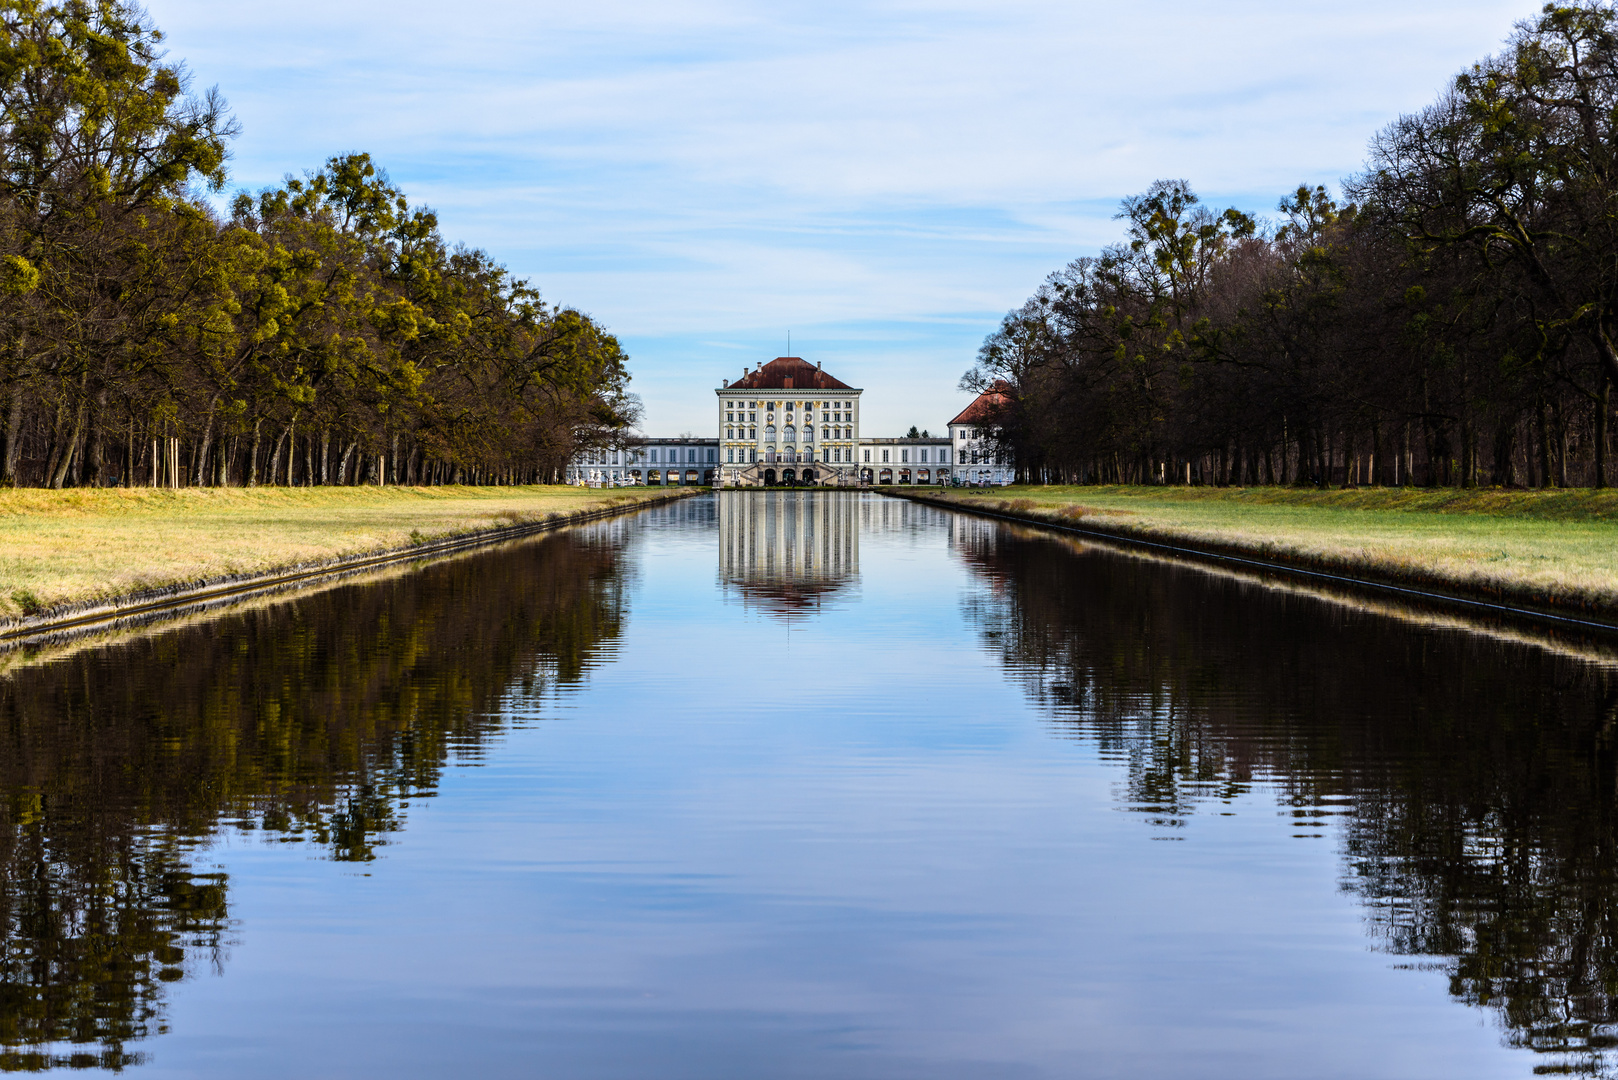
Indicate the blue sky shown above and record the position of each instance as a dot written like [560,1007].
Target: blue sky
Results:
[884,180]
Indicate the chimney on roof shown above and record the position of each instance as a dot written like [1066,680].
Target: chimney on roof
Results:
[724,382]
[817,365]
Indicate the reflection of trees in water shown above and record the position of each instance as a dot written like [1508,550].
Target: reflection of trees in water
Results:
[315,720]
[1474,778]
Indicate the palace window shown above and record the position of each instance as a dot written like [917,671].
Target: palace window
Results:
[769,432]
[808,434]
[884,455]
[867,455]
[825,433]
[752,433]
[924,457]
[730,456]
[904,455]
[651,455]
[730,433]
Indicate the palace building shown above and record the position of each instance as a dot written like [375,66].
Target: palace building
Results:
[905,461]
[788,422]
[674,462]
[979,457]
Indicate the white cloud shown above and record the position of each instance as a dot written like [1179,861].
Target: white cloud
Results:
[888,177]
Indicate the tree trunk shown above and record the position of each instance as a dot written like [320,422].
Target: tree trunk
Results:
[342,466]
[252,459]
[1603,405]
[59,477]
[53,455]
[1545,470]
[1561,443]
[199,474]
[274,472]
[226,455]
[13,437]
[1409,458]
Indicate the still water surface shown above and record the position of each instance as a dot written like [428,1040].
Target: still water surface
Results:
[811,785]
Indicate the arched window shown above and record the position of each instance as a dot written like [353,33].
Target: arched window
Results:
[808,434]
[790,434]
[769,433]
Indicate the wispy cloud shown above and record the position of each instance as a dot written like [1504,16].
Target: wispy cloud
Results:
[885,179]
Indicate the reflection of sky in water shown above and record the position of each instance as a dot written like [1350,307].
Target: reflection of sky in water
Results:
[839,846]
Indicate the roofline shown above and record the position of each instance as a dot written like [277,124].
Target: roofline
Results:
[642,440]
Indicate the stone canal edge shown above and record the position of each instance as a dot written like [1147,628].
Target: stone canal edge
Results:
[152,605]
[1415,587]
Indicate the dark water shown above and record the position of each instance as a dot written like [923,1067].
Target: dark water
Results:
[780,785]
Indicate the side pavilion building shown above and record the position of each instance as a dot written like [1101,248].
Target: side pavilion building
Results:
[786,422]
[979,456]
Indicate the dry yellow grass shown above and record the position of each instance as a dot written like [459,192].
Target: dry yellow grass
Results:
[1555,548]
[67,547]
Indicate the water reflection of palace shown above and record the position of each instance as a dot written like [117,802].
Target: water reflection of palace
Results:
[788,549]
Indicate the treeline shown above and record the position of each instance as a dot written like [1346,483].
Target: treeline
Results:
[1452,323]
[322,332]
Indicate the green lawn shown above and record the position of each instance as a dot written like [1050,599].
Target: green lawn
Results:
[1546,547]
[63,547]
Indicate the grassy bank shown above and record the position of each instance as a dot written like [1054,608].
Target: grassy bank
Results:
[1546,548]
[60,548]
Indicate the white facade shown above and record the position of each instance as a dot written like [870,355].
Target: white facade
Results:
[905,461]
[978,460]
[764,426]
[787,422]
[672,462]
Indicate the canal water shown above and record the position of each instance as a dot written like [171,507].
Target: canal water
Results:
[784,784]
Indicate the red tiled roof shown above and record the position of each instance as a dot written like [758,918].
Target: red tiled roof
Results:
[987,405]
[788,373]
